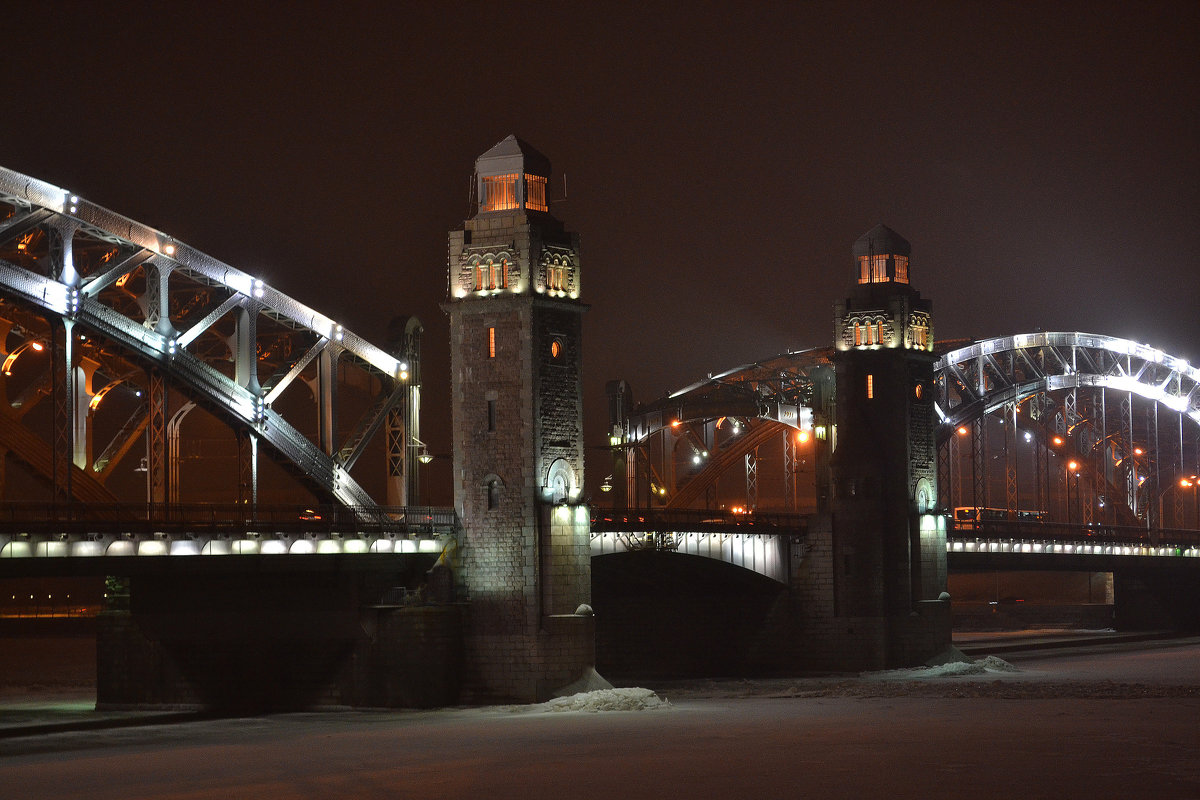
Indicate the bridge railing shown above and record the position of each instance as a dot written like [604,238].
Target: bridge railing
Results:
[698,520]
[1017,530]
[202,518]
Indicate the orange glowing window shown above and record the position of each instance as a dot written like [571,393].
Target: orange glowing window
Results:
[858,338]
[499,193]
[535,192]
[870,386]
[491,342]
[874,269]
[498,274]
[556,348]
[879,334]
[480,269]
[556,278]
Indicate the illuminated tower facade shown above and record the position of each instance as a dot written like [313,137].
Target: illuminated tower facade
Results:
[515,334]
[889,547]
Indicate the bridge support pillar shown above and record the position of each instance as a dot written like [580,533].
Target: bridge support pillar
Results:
[516,387]
[263,639]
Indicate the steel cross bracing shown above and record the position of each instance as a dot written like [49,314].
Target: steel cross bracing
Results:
[1002,396]
[1093,400]
[724,418]
[71,260]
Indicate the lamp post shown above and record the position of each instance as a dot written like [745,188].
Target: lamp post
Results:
[1072,466]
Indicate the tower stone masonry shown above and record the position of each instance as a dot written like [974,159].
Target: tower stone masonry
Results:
[515,339]
[888,545]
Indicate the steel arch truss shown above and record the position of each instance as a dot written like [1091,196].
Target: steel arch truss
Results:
[128,305]
[1125,413]
[675,449]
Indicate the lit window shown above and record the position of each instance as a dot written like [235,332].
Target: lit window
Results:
[499,275]
[499,193]
[870,387]
[479,270]
[902,269]
[879,334]
[858,339]
[491,342]
[556,348]
[535,192]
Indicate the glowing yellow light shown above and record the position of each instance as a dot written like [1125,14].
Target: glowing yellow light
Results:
[962,430]
[1185,483]
[169,249]
[802,437]
[1072,465]
[1058,440]
[674,423]
[1137,451]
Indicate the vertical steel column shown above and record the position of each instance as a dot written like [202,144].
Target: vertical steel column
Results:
[1011,452]
[397,446]
[944,460]
[156,439]
[155,302]
[979,482]
[62,386]
[248,470]
[327,373]
[1181,470]
[1059,476]
[1102,480]
[789,471]
[752,480]
[245,351]
[1130,464]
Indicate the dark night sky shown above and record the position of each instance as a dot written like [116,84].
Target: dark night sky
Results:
[1041,158]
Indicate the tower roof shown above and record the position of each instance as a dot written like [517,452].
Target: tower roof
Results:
[881,240]
[512,155]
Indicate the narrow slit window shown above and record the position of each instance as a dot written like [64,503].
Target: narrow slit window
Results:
[857,335]
[491,342]
[535,192]
[870,386]
[479,277]
[491,415]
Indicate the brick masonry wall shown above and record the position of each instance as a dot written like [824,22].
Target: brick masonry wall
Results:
[518,567]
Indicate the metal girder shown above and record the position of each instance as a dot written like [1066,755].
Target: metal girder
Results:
[151,337]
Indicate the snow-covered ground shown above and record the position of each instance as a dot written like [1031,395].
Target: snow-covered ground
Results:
[1101,725]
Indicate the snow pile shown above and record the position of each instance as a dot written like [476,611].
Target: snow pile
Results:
[949,670]
[608,700]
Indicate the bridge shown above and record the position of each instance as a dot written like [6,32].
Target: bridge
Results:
[1044,450]
[1065,427]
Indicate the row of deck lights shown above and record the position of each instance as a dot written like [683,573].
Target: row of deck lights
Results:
[1069,548]
[216,547]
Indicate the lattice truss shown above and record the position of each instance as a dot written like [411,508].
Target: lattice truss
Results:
[1126,415]
[94,305]
[675,449]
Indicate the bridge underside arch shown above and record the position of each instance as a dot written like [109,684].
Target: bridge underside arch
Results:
[665,614]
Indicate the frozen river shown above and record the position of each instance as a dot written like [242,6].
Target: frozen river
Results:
[1114,723]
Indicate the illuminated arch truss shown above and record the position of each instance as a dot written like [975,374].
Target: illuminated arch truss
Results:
[1124,413]
[674,450]
[124,307]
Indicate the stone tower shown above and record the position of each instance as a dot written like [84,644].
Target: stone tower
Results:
[515,329]
[889,547]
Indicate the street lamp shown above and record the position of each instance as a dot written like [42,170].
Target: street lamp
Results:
[1072,466]
[423,454]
